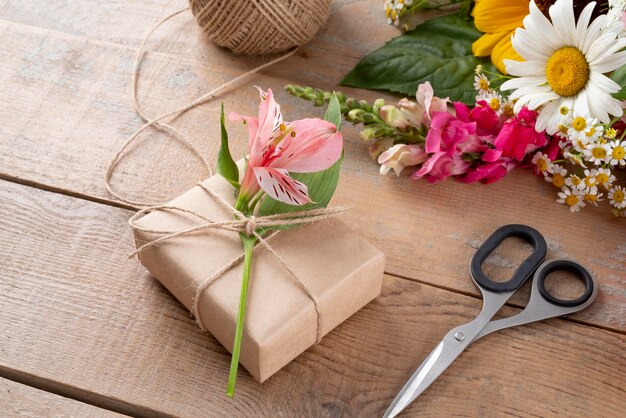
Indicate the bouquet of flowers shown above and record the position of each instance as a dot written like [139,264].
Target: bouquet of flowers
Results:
[550,97]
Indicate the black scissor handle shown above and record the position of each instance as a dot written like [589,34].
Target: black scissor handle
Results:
[523,272]
[564,265]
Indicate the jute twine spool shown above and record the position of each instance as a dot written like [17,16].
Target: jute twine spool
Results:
[259,27]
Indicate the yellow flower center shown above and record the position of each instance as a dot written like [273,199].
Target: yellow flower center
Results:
[575,180]
[579,123]
[483,84]
[602,178]
[542,165]
[571,200]
[618,152]
[567,71]
[599,153]
[591,197]
[558,180]
[590,181]
[563,129]
[563,110]
[508,110]
[610,133]
[618,196]
[494,104]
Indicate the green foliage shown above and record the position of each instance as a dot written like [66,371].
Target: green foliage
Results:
[438,51]
[226,166]
[619,76]
[321,185]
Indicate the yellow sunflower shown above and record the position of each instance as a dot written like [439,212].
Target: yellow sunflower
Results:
[498,19]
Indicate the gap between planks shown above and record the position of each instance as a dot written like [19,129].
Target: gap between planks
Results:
[122,205]
[78,394]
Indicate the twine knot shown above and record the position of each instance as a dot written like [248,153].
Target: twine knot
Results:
[251,226]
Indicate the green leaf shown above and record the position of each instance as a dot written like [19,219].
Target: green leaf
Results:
[439,51]
[619,76]
[226,166]
[333,112]
[321,185]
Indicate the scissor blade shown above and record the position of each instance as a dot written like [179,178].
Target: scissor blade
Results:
[437,361]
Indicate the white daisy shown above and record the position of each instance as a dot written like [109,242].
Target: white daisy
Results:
[573,198]
[574,182]
[589,183]
[493,99]
[556,175]
[542,162]
[598,153]
[617,153]
[481,84]
[564,64]
[593,197]
[617,197]
[604,177]
[580,127]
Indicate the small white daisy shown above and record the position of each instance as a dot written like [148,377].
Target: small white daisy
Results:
[542,162]
[604,177]
[580,126]
[593,197]
[481,84]
[574,182]
[573,198]
[598,153]
[564,64]
[617,198]
[589,183]
[617,152]
[556,175]
[574,157]
[493,99]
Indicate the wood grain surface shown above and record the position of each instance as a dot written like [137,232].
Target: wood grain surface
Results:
[80,320]
[94,320]
[68,106]
[17,400]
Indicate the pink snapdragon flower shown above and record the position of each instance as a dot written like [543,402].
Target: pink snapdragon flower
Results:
[277,147]
[518,137]
[448,138]
[415,113]
[400,156]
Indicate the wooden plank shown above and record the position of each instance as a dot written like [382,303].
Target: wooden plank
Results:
[67,101]
[17,400]
[94,321]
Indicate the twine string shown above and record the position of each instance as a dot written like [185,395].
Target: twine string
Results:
[157,121]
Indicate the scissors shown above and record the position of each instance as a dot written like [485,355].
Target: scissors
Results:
[542,305]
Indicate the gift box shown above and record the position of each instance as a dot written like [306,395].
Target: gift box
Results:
[338,267]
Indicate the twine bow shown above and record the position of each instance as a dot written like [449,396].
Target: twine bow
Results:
[249,225]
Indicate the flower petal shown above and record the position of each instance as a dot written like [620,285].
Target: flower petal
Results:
[315,146]
[251,121]
[269,120]
[279,185]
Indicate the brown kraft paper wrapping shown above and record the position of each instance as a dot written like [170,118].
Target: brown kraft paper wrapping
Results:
[336,264]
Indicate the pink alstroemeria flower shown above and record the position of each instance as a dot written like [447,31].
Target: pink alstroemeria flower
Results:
[278,147]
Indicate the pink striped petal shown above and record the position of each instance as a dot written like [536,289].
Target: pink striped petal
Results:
[270,120]
[277,183]
[315,145]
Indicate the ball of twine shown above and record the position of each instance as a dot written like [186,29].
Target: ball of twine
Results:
[258,27]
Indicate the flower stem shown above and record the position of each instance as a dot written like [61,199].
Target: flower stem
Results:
[248,245]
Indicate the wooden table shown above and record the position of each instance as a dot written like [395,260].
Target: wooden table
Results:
[88,332]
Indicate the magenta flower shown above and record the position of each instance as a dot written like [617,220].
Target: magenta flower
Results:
[518,136]
[278,147]
[448,138]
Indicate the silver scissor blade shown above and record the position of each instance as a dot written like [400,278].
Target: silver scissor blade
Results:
[437,361]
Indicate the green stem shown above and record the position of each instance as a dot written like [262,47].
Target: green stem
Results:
[248,245]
